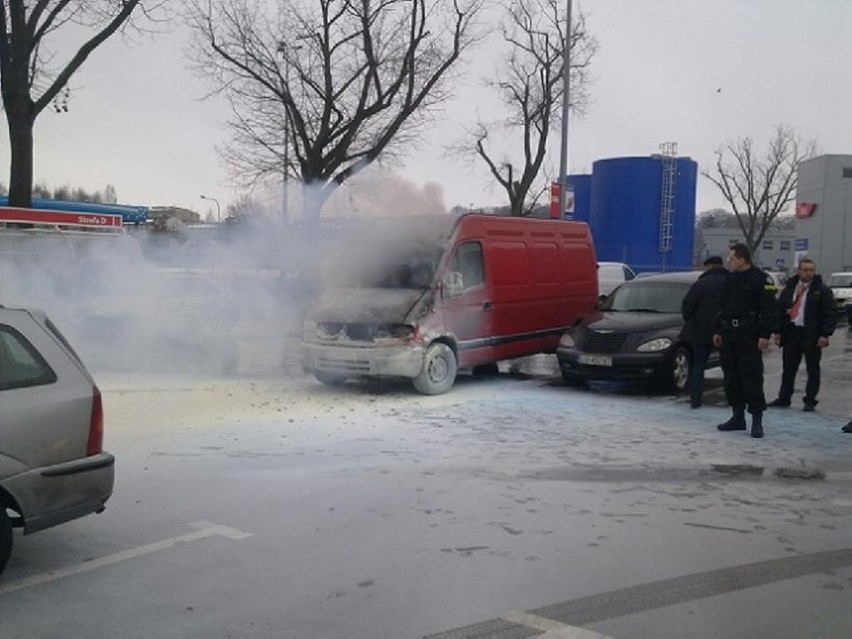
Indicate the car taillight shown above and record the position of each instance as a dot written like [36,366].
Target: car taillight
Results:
[96,425]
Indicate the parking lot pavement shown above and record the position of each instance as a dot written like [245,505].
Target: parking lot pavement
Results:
[281,508]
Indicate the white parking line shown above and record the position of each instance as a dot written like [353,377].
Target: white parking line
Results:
[205,529]
[552,629]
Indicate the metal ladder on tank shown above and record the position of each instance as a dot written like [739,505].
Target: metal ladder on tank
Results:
[668,159]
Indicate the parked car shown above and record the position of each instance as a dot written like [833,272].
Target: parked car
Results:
[421,298]
[779,279]
[841,285]
[52,466]
[634,336]
[611,275]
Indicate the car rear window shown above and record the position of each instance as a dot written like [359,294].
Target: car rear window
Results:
[21,365]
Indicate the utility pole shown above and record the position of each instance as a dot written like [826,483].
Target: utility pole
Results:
[566,85]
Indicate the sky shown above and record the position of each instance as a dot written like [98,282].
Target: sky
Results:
[693,72]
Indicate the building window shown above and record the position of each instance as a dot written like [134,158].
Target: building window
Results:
[767,245]
[847,172]
[785,245]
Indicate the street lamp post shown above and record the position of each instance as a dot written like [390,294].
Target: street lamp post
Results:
[566,84]
[218,208]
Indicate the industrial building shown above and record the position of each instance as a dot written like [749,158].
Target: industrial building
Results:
[824,212]
[775,253]
[641,210]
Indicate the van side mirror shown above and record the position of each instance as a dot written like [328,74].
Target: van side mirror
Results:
[452,284]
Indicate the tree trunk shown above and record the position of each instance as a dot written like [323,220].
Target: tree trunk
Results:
[21,147]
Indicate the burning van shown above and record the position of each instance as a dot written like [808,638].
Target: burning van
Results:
[421,298]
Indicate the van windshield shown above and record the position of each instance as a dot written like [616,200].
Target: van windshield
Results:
[400,266]
[394,253]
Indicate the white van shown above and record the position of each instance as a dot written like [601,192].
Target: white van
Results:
[841,285]
[612,275]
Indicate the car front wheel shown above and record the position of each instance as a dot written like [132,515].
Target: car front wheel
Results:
[679,367]
[439,370]
[5,537]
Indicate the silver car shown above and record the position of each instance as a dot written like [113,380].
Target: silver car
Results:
[52,466]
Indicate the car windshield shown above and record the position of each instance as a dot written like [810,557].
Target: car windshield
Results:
[648,297]
[840,280]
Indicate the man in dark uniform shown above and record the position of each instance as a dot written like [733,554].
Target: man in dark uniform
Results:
[699,309]
[745,323]
[808,317]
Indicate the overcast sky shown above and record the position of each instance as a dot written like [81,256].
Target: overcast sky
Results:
[694,72]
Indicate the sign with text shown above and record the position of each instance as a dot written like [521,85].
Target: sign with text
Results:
[60,218]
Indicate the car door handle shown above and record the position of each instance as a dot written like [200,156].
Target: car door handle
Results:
[486,306]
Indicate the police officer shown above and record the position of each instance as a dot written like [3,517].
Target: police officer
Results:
[808,317]
[745,323]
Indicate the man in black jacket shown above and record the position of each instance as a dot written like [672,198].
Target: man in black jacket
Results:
[808,317]
[746,322]
[700,308]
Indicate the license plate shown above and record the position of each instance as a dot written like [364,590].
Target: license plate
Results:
[596,360]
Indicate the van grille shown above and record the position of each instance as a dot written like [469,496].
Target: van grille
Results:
[357,332]
[350,366]
[593,342]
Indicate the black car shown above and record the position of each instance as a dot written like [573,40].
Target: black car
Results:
[634,336]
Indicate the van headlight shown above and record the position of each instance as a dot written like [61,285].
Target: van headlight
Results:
[655,345]
[566,341]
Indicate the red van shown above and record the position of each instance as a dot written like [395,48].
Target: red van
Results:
[423,297]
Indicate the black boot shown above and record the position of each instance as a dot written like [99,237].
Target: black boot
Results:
[737,421]
[757,425]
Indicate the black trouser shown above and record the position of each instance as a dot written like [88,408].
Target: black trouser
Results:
[742,366]
[795,346]
[700,354]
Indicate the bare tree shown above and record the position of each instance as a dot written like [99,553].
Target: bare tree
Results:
[30,77]
[530,83]
[328,86]
[759,186]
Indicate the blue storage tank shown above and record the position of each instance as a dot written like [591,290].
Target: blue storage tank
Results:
[582,185]
[626,200]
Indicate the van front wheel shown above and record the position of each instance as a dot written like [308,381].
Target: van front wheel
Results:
[439,370]
[5,536]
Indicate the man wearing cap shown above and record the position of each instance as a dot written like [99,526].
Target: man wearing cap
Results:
[808,317]
[700,309]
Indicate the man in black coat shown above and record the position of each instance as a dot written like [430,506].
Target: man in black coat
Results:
[746,322]
[700,309]
[808,317]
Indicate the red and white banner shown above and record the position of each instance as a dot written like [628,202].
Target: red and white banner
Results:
[805,210]
[62,218]
[554,200]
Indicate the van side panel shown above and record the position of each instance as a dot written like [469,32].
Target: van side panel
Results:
[539,279]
